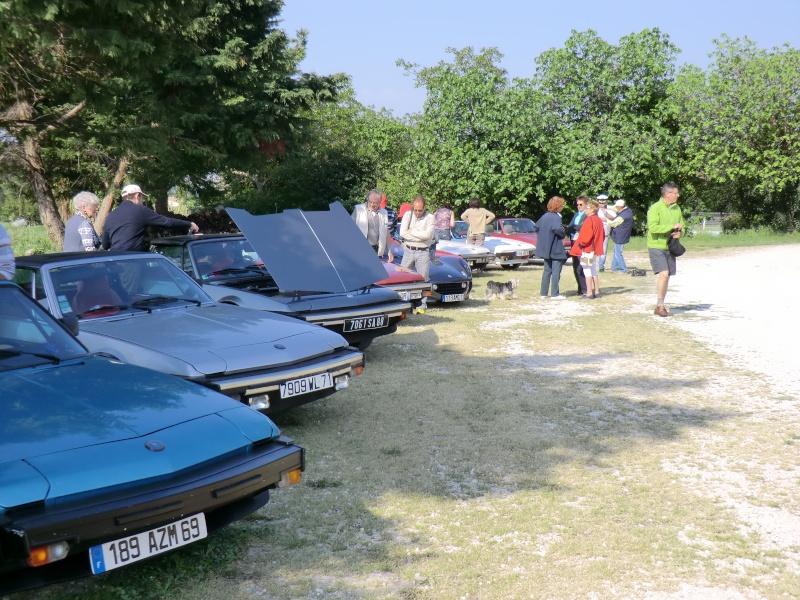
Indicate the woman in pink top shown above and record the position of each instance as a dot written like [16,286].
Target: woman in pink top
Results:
[590,239]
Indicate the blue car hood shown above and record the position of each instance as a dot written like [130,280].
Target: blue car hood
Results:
[213,338]
[82,426]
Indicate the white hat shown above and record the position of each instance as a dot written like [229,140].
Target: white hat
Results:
[619,202]
[602,197]
[132,189]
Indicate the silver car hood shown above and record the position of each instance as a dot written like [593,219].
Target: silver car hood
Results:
[213,338]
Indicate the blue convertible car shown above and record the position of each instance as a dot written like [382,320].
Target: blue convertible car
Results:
[100,464]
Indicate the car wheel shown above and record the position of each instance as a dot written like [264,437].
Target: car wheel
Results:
[510,267]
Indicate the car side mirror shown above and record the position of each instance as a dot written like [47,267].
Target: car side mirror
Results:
[71,324]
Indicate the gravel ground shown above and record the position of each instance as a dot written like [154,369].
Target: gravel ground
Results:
[730,302]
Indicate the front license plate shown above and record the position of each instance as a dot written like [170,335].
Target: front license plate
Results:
[452,297]
[125,551]
[366,323]
[306,385]
[409,296]
[522,253]
[482,260]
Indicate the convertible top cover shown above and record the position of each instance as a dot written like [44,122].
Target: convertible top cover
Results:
[312,251]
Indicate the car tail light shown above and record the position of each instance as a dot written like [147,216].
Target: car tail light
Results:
[290,477]
[357,370]
[44,555]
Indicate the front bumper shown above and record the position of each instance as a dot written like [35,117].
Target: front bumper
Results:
[224,491]
[265,386]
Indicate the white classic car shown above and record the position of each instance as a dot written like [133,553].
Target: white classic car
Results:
[508,253]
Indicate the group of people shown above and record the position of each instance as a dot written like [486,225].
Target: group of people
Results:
[125,228]
[589,230]
[419,230]
[593,224]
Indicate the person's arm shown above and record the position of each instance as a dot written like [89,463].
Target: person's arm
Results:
[425,230]
[7,265]
[452,219]
[105,240]
[489,216]
[404,233]
[586,236]
[151,217]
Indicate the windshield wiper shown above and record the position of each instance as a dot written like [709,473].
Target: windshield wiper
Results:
[162,300]
[100,307]
[54,359]
[228,271]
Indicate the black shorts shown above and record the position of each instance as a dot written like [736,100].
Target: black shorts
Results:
[661,260]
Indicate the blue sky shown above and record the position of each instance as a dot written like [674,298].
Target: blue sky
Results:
[365,38]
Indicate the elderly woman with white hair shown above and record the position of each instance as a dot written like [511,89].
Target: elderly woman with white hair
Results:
[79,233]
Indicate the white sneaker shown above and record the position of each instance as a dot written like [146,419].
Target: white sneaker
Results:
[544,296]
[559,297]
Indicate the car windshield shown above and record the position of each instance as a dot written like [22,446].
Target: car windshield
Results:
[223,259]
[511,226]
[29,336]
[125,285]
[460,230]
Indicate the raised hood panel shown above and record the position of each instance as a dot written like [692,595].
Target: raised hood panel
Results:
[93,402]
[311,251]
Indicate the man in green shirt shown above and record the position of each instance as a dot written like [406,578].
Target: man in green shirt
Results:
[664,220]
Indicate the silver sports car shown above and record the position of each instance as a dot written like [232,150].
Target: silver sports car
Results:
[142,309]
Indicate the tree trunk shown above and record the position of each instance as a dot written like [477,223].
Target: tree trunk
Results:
[43,193]
[108,199]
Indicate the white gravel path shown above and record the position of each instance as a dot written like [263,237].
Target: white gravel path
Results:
[742,305]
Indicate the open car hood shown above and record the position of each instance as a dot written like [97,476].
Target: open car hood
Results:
[311,251]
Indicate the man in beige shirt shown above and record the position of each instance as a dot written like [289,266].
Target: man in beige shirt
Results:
[417,229]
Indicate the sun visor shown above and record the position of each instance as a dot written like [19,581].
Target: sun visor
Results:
[312,251]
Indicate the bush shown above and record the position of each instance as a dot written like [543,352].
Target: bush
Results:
[734,223]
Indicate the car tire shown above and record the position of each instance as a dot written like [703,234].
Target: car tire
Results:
[363,345]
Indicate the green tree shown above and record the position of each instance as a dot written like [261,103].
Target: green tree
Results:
[345,150]
[169,93]
[478,134]
[740,123]
[607,125]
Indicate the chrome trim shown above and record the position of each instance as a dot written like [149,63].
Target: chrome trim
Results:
[259,384]
[395,309]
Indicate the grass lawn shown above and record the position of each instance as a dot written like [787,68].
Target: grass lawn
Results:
[508,449]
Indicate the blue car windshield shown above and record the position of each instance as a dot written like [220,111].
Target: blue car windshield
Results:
[29,336]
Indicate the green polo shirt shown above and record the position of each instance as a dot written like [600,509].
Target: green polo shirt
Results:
[661,219]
